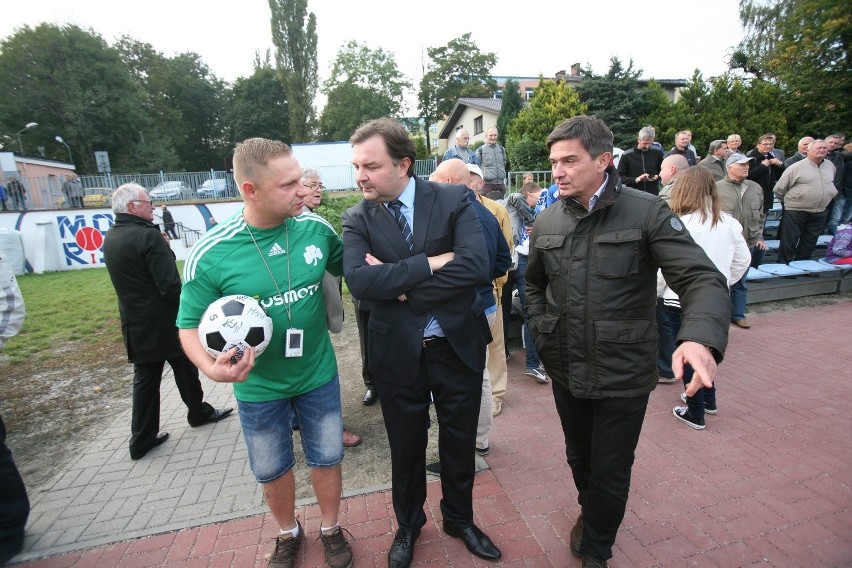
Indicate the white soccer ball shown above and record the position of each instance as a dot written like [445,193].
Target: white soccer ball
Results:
[235,321]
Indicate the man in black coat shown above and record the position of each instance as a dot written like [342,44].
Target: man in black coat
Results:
[142,268]
[766,169]
[415,250]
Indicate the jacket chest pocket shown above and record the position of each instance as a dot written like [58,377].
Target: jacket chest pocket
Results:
[549,248]
[617,253]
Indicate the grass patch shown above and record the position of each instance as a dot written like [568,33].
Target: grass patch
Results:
[71,306]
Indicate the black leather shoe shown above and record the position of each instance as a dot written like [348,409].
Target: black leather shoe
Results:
[158,440]
[218,414]
[476,541]
[402,549]
[370,396]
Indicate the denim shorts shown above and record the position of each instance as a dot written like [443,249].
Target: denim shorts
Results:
[269,436]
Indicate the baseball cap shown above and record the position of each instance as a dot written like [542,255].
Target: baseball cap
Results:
[737,159]
[474,169]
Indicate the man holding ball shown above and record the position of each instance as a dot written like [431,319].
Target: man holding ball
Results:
[272,252]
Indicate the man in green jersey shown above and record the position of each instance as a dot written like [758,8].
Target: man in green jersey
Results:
[274,253]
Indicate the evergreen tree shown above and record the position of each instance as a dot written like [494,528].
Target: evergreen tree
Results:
[526,139]
[294,35]
[617,99]
[510,106]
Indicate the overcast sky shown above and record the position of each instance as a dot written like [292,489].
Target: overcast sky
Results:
[529,36]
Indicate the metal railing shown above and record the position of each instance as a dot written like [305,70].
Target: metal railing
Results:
[46,192]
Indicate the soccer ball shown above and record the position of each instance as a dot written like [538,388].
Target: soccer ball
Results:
[235,321]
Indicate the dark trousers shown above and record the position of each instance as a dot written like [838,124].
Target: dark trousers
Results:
[704,396]
[170,230]
[14,504]
[508,288]
[799,233]
[457,391]
[666,342]
[145,421]
[362,318]
[600,441]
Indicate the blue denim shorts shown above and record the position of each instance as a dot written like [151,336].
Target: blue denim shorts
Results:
[269,436]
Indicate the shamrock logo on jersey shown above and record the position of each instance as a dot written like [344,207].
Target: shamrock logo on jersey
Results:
[313,254]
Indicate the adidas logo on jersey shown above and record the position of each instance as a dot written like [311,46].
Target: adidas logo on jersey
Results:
[276,250]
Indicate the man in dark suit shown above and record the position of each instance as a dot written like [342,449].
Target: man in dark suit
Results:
[145,277]
[415,250]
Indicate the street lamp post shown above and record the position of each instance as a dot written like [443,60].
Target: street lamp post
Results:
[21,131]
[61,141]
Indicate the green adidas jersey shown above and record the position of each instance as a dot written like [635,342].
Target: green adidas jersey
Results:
[226,261]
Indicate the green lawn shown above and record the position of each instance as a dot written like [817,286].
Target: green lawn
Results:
[67,306]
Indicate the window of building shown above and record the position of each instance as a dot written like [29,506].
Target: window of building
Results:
[434,144]
[477,125]
[433,128]
[498,94]
[528,93]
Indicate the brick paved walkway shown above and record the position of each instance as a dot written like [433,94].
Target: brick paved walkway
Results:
[768,483]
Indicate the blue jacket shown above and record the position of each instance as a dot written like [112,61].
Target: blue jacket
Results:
[499,257]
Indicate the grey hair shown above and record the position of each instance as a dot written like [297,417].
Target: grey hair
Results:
[647,132]
[715,145]
[811,145]
[310,173]
[591,131]
[126,193]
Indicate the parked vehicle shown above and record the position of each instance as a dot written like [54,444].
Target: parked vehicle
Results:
[214,188]
[171,190]
[93,197]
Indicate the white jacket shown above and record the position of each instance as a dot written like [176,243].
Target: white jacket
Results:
[724,244]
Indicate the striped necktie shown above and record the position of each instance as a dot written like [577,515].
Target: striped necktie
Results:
[395,207]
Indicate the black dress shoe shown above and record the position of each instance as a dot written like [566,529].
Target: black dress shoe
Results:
[476,541]
[402,549]
[158,440]
[218,414]
[370,396]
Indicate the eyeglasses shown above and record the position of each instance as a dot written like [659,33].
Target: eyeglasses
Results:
[148,201]
[314,185]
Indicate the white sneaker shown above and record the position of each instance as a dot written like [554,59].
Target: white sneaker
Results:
[539,376]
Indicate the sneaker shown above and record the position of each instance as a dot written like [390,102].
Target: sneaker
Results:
[338,552]
[434,468]
[496,408]
[589,562]
[577,536]
[682,414]
[665,380]
[537,375]
[286,549]
[483,451]
[708,408]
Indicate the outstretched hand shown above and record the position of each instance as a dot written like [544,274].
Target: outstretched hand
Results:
[702,362]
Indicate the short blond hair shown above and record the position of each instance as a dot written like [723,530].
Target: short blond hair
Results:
[252,155]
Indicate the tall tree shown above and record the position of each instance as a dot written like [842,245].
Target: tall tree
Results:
[454,70]
[185,100]
[364,84]
[372,69]
[348,107]
[617,99]
[526,139]
[294,35]
[510,106]
[804,47]
[257,107]
[69,81]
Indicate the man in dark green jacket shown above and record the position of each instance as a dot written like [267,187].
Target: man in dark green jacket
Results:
[142,268]
[591,292]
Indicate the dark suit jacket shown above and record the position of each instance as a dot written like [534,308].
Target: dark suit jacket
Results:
[444,221]
[143,271]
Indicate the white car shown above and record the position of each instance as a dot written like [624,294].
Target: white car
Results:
[171,190]
[213,188]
